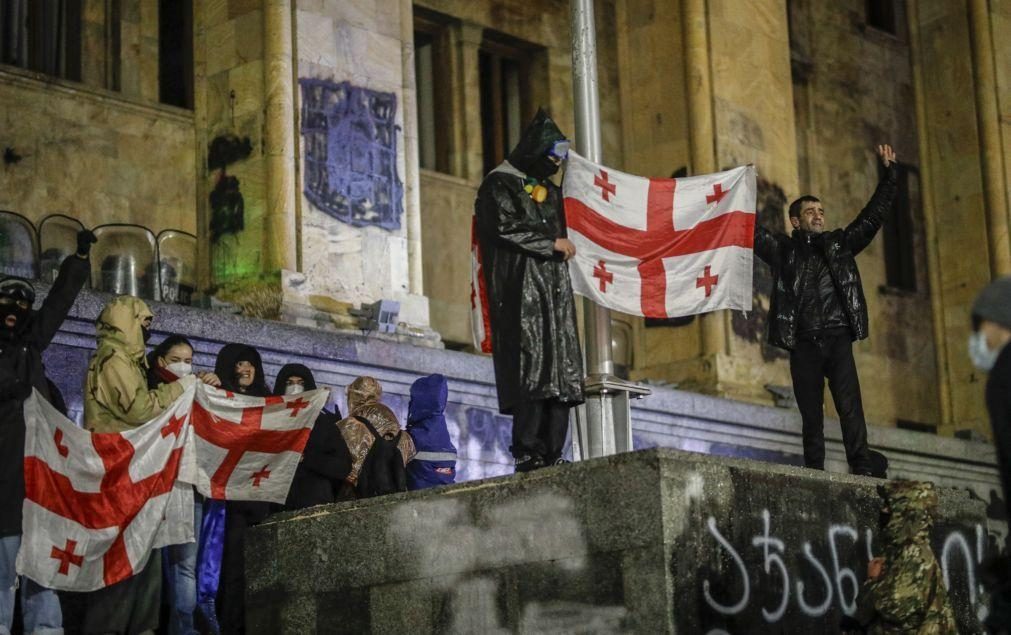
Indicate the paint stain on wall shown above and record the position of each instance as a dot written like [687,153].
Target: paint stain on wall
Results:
[752,326]
[227,205]
[350,138]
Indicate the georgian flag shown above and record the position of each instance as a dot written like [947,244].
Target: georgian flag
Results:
[661,247]
[247,448]
[96,504]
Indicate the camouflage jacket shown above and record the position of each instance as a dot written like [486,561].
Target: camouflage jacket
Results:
[909,597]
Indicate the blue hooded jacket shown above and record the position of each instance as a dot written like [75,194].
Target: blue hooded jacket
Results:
[435,463]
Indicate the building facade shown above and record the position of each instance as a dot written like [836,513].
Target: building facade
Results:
[326,153]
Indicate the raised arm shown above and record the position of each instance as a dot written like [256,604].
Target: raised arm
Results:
[766,245]
[865,226]
[69,282]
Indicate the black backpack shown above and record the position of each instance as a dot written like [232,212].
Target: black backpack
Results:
[383,469]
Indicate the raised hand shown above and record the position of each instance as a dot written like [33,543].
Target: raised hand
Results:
[886,154]
[85,239]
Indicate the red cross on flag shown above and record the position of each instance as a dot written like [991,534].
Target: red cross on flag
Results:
[661,247]
[97,504]
[247,448]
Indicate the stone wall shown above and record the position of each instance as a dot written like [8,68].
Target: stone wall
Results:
[648,542]
[95,155]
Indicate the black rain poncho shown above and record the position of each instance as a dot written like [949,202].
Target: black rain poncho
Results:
[535,343]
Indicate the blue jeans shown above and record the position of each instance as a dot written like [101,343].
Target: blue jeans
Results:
[40,607]
[181,578]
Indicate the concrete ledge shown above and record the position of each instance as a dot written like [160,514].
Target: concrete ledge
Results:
[656,541]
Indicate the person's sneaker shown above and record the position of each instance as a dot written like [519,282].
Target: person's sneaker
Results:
[527,463]
[560,462]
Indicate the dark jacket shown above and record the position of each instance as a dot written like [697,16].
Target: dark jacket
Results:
[21,369]
[792,259]
[435,462]
[535,344]
[326,461]
[998,404]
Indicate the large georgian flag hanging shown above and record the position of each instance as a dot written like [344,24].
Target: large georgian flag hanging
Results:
[97,504]
[661,247]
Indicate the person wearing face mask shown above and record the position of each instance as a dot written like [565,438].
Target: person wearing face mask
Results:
[326,461]
[240,369]
[24,335]
[117,398]
[990,351]
[167,362]
[818,310]
[535,345]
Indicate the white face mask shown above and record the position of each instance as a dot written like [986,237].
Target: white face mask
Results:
[180,369]
[982,357]
[294,389]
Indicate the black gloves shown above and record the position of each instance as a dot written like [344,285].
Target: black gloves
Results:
[85,239]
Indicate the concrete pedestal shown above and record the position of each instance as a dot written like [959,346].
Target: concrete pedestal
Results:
[656,541]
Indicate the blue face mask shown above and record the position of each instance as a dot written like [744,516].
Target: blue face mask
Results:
[979,352]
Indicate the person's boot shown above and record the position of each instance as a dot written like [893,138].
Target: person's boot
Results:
[527,463]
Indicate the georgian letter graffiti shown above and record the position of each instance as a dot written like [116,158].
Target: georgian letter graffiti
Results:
[764,541]
[745,594]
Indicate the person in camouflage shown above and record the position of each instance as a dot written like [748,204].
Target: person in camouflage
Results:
[904,593]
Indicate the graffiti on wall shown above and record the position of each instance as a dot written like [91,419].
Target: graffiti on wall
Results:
[350,137]
[227,205]
[752,326]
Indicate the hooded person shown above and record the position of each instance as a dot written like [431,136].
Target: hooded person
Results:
[535,344]
[435,462]
[326,461]
[990,352]
[240,369]
[117,398]
[24,335]
[365,415]
[904,591]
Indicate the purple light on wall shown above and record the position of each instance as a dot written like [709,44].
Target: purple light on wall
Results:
[350,139]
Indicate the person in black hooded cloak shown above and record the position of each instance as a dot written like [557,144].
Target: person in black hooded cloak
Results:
[535,346]
[326,461]
[240,370]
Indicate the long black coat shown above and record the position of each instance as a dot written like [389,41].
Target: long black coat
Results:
[21,369]
[791,259]
[998,404]
[535,343]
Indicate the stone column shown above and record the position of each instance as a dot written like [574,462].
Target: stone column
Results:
[988,118]
[281,220]
[930,216]
[467,158]
[412,177]
[702,131]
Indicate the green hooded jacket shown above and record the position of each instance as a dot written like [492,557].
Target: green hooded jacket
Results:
[116,396]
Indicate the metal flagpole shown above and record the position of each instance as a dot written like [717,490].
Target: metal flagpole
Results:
[603,424]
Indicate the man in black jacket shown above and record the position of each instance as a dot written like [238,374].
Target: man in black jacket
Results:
[990,350]
[24,334]
[818,309]
[535,345]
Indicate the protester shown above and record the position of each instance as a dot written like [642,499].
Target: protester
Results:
[990,353]
[535,343]
[904,591]
[116,399]
[24,335]
[240,370]
[379,449]
[435,462]
[818,309]
[326,461]
[167,362]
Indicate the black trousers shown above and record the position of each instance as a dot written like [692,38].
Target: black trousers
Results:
[811,362]
[539,429]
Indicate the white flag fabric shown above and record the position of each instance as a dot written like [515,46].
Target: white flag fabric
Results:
[97,504]
[661,247]
[247,448]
